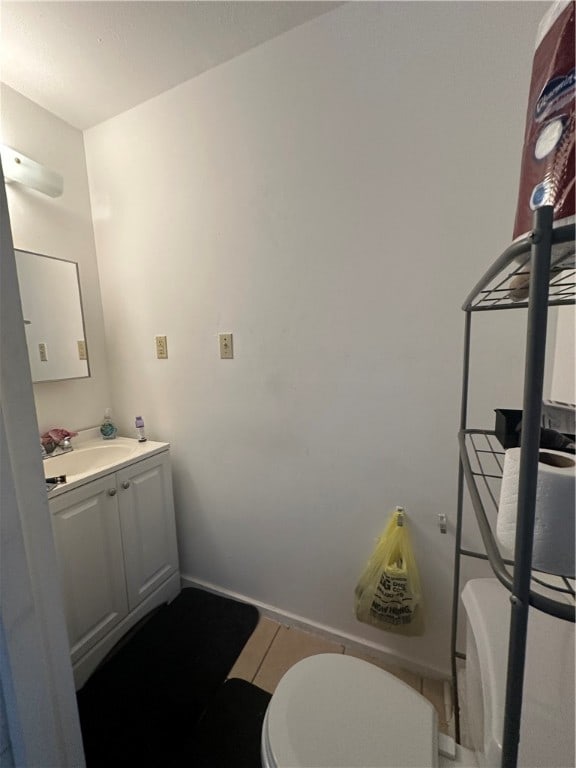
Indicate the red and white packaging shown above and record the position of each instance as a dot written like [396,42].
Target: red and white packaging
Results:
[547,174]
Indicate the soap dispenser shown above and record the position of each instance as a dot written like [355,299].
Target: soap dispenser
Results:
[107,429]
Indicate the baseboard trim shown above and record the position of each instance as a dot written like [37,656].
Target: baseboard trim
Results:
[353,642]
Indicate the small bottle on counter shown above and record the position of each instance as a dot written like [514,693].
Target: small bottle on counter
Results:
[140,429]
[107,429]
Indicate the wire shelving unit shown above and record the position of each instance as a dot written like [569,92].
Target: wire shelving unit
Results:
[534,273]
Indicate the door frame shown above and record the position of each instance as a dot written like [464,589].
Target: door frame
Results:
[35,670]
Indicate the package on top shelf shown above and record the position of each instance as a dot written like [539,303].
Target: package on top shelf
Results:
[547,173]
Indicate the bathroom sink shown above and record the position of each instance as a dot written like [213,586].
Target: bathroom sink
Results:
[88,458]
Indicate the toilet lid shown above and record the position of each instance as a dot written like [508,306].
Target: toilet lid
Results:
[337,711]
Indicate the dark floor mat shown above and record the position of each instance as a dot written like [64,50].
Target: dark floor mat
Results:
[141,706]
[228,734]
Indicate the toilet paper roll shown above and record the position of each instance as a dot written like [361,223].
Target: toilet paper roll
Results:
[553,550]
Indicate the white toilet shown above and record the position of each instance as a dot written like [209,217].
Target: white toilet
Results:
[336,711]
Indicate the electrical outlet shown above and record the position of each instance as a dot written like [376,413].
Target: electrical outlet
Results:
[82,350]
[226,346]
[161,348]
[43,351]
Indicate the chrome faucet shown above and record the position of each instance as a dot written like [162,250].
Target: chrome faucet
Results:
[56,449]
[65,446]
[53,444]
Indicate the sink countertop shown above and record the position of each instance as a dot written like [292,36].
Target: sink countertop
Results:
[91,438]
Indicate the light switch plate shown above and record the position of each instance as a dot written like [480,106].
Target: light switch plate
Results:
[82,350]
[226,346]
[43,352]
[161,348]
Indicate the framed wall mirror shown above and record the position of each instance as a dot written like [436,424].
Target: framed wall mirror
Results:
[53,318]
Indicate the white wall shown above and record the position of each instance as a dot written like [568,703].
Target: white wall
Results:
[60,227]
[329,197]
[563,385]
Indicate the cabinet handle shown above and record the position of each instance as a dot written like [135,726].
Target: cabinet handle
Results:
[126,484]
[111,491]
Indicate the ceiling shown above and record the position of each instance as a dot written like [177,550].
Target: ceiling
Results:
[88,60]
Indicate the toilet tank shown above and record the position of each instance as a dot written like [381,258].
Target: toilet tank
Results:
[547,726]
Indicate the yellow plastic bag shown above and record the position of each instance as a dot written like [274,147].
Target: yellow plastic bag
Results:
[388,594]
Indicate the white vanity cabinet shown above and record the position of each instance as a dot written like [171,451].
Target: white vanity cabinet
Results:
[149,538]
[86,529]
[115,537]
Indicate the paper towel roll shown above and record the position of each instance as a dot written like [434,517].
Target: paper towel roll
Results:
[553,550]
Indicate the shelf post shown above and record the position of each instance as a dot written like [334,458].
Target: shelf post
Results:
[530,442]
[455,605]
[458,537]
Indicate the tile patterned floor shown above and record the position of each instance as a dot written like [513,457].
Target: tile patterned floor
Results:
[274,648]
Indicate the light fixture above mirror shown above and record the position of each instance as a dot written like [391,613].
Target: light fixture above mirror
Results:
[23,170]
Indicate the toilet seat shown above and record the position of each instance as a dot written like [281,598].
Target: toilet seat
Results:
[336,711]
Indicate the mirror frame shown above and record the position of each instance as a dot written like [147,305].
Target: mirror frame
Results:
[75,264]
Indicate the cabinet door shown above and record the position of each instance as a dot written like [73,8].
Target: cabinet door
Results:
[87,535]
[148,529]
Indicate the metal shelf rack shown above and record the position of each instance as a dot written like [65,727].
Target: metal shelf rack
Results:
[543,264]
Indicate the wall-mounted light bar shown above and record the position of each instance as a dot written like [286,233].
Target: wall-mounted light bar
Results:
[21,169]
